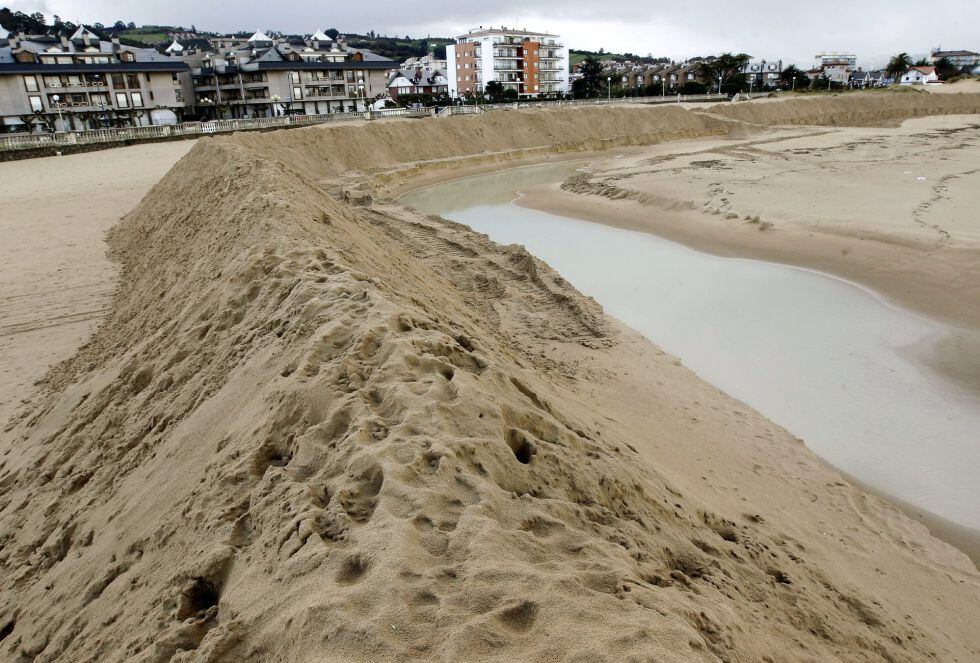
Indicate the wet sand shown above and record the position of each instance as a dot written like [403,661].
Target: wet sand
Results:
[889,208]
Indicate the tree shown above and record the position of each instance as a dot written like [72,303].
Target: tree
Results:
[494,90]
[725,72]
[511,93]
[898,65]
[922,62]
[693,87]
[820,83]
[792,77]
[332,33]
[945,68]
[590,84]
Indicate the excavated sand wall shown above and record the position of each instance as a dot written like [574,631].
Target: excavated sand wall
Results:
[383,146]
[850,109]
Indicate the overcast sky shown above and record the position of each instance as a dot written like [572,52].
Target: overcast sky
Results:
[771,29]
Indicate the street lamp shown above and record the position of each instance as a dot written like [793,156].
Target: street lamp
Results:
[206,101]
[275,105]
[56,98]
[360,92]
[609,88]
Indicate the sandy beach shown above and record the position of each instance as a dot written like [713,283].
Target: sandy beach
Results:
[57,283]
[316,425]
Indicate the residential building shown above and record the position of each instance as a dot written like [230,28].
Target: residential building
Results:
[919,76]
[834,66]
[835,58]
[862,79]
[417,81]
[962,60]
[264,77]
[763,73]
[429,61]
[529,63]
[81,82]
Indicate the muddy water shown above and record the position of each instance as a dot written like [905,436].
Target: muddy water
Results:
[823,357]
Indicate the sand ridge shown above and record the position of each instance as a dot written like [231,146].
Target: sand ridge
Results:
[314,430]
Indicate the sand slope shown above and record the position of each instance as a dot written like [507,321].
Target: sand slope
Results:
[314,431]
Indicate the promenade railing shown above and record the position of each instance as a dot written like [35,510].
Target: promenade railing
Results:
[164,131]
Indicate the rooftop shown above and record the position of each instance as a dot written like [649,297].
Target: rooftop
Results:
[503,31]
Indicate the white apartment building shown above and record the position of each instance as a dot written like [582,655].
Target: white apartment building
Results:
[834,58]
[530,63]
[835,66]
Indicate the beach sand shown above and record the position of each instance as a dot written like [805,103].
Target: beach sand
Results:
[57,283]
[315,425]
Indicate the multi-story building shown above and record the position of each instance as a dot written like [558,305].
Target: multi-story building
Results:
[81,82]
[429,61]
[962,60]
[834,58]
[265,77]
[529,63]
[835,67]
[763,73]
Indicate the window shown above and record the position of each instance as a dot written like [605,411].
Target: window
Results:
[297,92]
[133,80]
[121,100]
[36,104]
[137,99]
[179,95]
[147,77]
[117,81]
[30,82]
[294,77]
[176,79]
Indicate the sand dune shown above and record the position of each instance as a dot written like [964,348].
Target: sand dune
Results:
[317,426]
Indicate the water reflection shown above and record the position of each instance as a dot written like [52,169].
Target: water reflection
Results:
[818,355]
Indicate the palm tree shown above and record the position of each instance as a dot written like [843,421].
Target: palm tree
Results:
[898,65]
[792,75]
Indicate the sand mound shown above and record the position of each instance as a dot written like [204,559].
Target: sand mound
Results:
[850,109]
[311,431]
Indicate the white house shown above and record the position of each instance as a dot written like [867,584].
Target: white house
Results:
[920,76]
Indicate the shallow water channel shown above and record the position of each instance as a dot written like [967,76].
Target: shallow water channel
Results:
[820,356]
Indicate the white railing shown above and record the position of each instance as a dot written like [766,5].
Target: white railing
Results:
[65,138]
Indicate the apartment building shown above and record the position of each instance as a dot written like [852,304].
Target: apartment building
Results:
[529,63]
[834,58]
[80,82]
[962,60]
[429,61]
[834,66]
[265,77]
